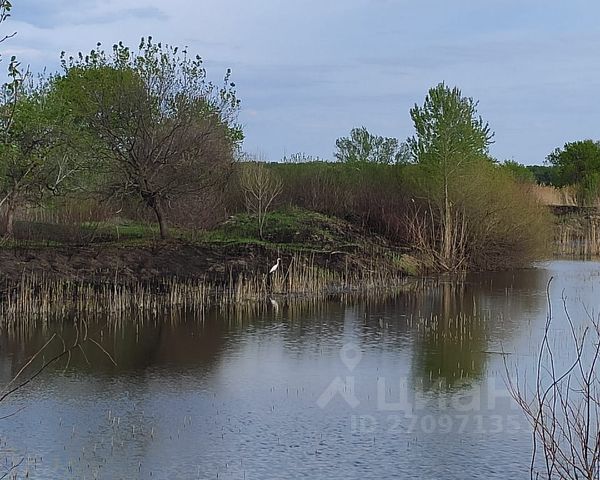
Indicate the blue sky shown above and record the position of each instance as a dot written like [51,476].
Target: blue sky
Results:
[308,71]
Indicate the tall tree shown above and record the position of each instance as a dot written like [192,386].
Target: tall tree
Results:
[578,164]
[362,146]
[450,137]
[161,131]
[33,159]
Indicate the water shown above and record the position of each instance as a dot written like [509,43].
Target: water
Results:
[405,387]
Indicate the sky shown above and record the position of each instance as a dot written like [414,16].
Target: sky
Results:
[308,71]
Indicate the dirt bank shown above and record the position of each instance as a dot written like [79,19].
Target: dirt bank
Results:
[126,264]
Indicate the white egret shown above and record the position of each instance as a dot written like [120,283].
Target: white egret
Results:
[275,304]
[275,267]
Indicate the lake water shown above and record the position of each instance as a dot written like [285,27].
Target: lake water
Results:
[409,386]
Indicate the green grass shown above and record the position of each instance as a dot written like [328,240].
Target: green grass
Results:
[297,229]
[292,229]
[406,263]
[40,234]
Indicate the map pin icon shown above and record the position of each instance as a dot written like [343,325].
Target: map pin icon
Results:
[350,355]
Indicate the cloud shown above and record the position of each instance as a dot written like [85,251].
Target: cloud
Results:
[148,13]
[50,15]
[308,71]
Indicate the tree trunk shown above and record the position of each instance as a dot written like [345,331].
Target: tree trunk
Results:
[160,217]
[447,233]
[9,219]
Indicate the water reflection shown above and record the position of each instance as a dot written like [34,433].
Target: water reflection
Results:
[462,322]
[237,391]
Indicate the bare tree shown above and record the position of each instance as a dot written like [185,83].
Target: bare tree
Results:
[261,187]
[564,407]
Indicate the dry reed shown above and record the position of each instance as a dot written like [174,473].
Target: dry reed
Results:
[40,297]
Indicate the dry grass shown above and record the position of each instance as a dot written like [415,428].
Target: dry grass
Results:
[577,236]
[38,297]
[552,196]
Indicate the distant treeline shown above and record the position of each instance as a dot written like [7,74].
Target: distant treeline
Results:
[576,165]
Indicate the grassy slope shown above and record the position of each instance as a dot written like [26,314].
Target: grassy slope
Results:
[132,251]
[292,229]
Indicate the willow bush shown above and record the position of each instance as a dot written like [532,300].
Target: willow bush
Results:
[497,221]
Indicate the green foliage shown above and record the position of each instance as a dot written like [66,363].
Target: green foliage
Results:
[293,227]
[158,129]
[519,172]
[543,174]
[578,163]
[172,82]
[5,9]
[33,159]
[505,227]
[448,131]
[362,146]
[450,141]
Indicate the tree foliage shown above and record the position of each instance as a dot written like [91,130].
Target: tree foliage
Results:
[543,174]
[34,161]
[450,139]
[161,132]
[362,146]
[5,8]
[578,163]
[449,133]
[519,172]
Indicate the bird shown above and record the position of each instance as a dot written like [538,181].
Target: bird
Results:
[275,267]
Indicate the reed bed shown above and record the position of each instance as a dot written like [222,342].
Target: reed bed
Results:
[38,297]
[578,236]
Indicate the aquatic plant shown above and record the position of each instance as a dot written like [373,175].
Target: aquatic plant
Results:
[39,296]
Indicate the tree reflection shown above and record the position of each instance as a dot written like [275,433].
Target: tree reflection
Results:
[463,321]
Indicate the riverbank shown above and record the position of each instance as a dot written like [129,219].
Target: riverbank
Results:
[120,254]
[126,253]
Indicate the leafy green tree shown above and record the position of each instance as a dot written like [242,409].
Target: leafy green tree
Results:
[362,146]
[578,163]
[450,139]
[162,133]
[33,159]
